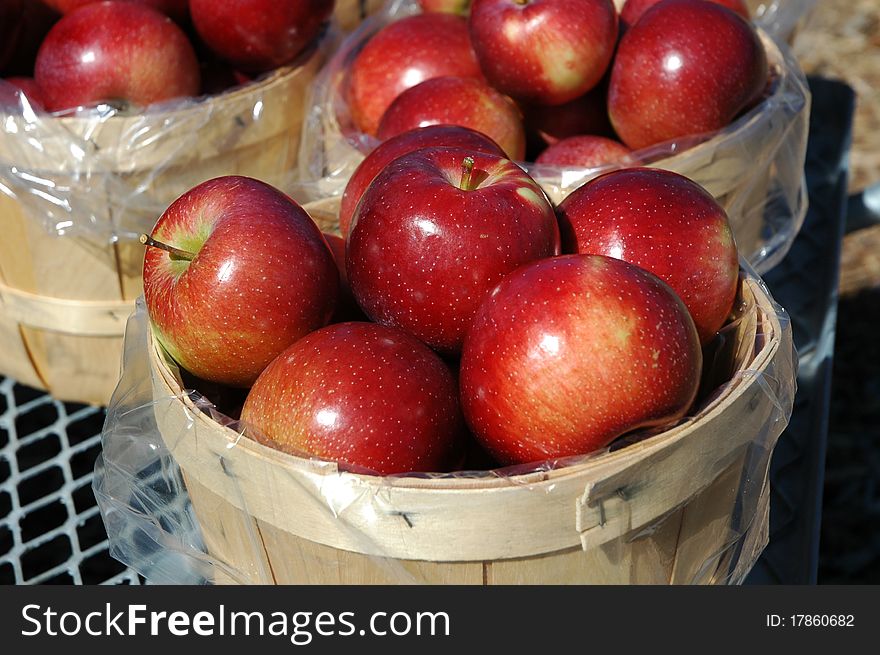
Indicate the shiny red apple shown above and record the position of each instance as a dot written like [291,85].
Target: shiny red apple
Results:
[543,51]
[687,67]
[259,35]
[457,101]
[567,354]
[397,146]
[115,51]
[586,152]
[435,231]
[403,54]
[249,274]
[364,395]
[177,9]
[633,9]
[665,223]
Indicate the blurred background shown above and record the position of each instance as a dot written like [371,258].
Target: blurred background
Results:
[841,40]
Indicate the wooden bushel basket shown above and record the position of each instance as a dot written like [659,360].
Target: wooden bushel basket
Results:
[64,300]
[662,510]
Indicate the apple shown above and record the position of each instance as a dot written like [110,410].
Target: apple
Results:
[458,7]
[259,35]
[115,51]
[587,114]
[177,9]
[687,67]
[364,395]
[457,101]
[633,9]
[11,14]
[435,231]
[403,54]
[665,223]
[569,353]
[543,51]
[245,275]
[28,87]
[586,152]
[397,146]
[347,308]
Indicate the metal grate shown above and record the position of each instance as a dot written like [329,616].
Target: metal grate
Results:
[50,528]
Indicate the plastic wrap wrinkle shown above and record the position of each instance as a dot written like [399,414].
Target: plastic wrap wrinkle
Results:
[361,528]
[754,167]
[108,173]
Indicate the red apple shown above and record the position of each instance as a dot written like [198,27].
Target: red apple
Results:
[585,115]
[259,35]
[401,55]
[633,9]
[28,87]
[388,151]
[177,9]
[364,395]
[430,239]
[254,275]
[666,224]
[457,101]
[543,51]
[567,354]
[586,152]
[457,7]
[11,15]
[113,51]
[687,67]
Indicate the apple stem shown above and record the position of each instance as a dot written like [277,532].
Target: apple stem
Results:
[467,167]
[176,253]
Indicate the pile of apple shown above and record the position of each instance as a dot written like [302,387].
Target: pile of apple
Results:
[63,54]
[464,322]
[560,82]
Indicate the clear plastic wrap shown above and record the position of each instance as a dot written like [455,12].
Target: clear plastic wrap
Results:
[781,18]
[107,173]
[188,497]
[754,167]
